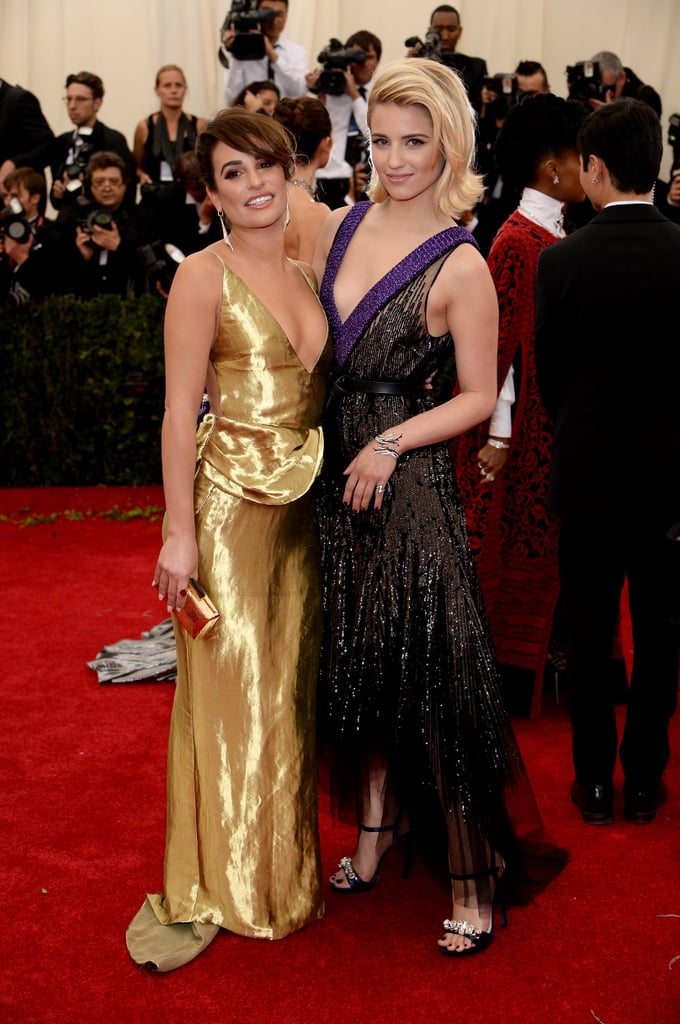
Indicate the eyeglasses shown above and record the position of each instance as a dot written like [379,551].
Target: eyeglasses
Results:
[113,182]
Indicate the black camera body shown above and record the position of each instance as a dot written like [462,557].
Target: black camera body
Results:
[674,135]
[160,262]
[335,59]
[247,20]
[430,48]
[13,222]
[506,92]
[74,170]
[91,216]
[583,81]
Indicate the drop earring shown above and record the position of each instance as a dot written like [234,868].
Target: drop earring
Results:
[556,179]
[225,233]
[286,219]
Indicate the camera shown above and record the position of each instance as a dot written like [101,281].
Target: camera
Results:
[583,80]
[506,91]
[674,135]
[160,262]
[75,169]
[92,216]
[13,222]
[244,17]
[430,48]
[335,59]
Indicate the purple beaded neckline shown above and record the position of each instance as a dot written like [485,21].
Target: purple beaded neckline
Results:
[347,333]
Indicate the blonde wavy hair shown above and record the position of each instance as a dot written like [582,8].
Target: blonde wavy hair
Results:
[415,81]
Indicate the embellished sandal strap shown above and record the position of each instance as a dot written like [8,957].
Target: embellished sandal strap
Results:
[463,928]
[350,874]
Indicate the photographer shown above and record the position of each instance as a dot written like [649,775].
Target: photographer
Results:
[183,214]
[345,175]
[442,39]
[604,79]
[105,234]
[284,62]
[71,151]
[30,255]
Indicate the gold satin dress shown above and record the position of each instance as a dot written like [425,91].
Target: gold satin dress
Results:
[242,848]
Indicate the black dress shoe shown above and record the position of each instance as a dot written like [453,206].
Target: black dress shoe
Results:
[596,802]
[640,804]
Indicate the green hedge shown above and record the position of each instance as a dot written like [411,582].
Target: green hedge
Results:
[81,391]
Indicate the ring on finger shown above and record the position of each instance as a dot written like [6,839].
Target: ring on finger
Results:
[490,477]
[380,488]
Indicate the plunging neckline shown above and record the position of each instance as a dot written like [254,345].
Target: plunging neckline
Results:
[278,323]
[347,332]
[386,277]
[393,272]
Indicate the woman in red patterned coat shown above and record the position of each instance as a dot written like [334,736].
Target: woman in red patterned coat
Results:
[502,466]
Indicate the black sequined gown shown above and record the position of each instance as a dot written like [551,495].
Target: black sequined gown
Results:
[407,663]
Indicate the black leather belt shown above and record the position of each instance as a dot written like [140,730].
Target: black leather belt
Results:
[351,385]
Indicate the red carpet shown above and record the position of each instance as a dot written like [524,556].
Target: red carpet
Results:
[82,826]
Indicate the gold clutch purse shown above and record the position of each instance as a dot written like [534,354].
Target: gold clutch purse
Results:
[199,614]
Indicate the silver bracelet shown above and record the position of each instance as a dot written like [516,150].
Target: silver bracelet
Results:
[387,444]
[500,445]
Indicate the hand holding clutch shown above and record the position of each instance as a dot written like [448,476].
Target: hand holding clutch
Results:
[199,614]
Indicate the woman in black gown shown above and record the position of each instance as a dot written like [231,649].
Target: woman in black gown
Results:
[409,700]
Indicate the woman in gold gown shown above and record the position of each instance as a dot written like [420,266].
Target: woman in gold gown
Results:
[242,849]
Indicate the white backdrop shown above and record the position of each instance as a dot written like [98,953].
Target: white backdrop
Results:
[126,41]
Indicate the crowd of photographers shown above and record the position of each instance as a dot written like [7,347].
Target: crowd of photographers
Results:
[106,239]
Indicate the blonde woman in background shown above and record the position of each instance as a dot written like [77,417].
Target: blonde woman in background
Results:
[161,137]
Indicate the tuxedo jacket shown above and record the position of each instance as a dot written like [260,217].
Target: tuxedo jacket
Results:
[608,364]
[25,135]
[473,71]
[102,138]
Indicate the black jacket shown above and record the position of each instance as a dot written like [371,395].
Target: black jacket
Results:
[25,135]
[608,362]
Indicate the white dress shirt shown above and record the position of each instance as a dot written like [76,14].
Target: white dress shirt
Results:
[341,109]
[288,72]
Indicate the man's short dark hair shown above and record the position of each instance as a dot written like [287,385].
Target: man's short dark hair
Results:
[363,40]
[626,135]
[93,82]
[32,181]
[445,9]
[103,159]
[531,67]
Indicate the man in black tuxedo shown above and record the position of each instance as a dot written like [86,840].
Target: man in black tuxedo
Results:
[71,151]
[608,361]
[445,21]
[25,135]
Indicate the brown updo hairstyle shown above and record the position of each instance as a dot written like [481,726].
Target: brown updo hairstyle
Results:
[308,122]
[255,134]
